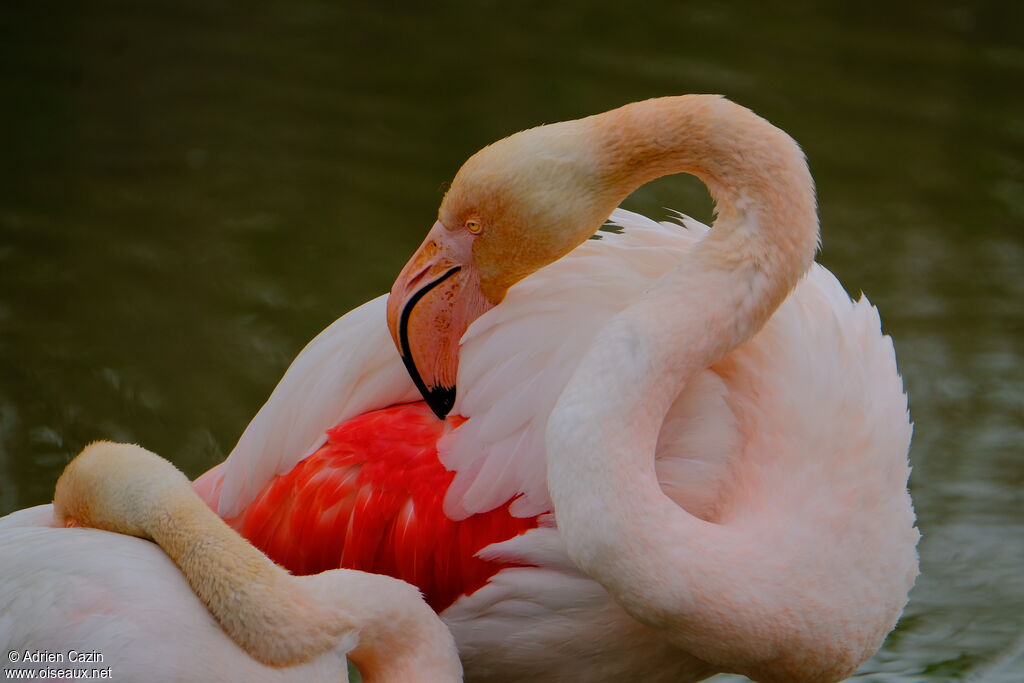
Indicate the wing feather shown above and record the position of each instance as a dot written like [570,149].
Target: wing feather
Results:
[517,358]
[350,368]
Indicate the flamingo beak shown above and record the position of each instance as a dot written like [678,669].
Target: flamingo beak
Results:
[435,298]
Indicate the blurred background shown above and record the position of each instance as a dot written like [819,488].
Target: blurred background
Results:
[193,189]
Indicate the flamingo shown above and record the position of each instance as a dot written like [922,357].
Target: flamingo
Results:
[672,451]
[224,613]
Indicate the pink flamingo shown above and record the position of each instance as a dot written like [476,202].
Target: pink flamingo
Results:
[203,605]
[720,431]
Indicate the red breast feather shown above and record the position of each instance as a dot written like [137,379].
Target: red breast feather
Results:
[371,499]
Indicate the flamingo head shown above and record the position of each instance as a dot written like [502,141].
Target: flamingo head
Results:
[116,487]
[514,207]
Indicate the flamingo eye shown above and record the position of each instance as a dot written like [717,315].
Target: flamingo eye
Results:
[474,227]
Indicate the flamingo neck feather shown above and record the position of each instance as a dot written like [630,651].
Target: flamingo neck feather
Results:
[282,619]
[709,588]
[262,607]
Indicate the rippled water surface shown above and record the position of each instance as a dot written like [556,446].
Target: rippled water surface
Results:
[191,190]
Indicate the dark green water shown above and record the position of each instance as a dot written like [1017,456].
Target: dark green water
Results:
[191,190]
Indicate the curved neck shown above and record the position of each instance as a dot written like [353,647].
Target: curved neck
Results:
[280,619]
[766,231]
[264,609]
[401,639]
[666,567]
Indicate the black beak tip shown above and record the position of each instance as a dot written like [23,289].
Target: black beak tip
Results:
[441,400]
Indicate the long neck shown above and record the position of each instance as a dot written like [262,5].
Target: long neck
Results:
[259,605]
[666,567]
[767,226]
[282,619]
[401,639]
